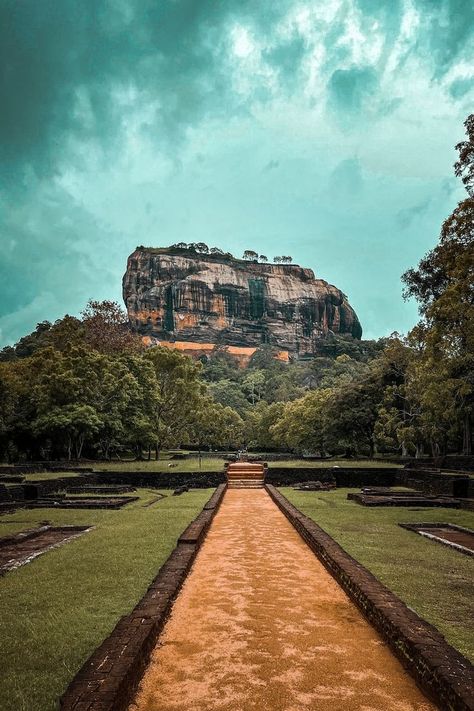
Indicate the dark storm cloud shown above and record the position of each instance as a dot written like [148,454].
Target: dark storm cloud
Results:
[286,57]
[349,89]
[447,27]
[85,82]
[63,64]
[460,87]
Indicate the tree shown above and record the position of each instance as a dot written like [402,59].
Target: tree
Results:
[464,166]
[277,260]
[215,425]
[216,251]
[249,255]
[253,385]
[263,258]
[73,423]
[202,247]
[303,423]
[443,285]
[258,426]
[229,393]
[351,416]
[106,328]
[179,390]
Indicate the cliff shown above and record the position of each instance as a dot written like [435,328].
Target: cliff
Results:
[187,297]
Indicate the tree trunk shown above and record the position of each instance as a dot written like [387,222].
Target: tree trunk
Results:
[467,434]
[371,449]
[79,446]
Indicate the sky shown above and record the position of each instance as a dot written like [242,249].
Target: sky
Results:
[320,129]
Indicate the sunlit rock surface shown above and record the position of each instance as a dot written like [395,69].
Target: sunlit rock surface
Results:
[181,296]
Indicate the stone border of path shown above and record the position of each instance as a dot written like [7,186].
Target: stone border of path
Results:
[109,679]
[441,672]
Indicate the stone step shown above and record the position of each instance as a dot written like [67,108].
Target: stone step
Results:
[245,475]
[245,485]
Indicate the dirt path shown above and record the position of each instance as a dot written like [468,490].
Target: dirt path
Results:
[261,626]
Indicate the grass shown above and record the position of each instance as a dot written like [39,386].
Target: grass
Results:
[430,578]
[209,464]
[44,476]
[59,607]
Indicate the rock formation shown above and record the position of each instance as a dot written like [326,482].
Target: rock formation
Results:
[198,301]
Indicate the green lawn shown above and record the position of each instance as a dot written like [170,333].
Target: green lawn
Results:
[217,464]
[432,579]
[39,476]
[58,608]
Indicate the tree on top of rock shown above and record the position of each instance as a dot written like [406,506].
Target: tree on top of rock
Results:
[263,258]
[249,255]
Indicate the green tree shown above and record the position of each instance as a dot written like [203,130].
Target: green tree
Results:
[230,394]
[215,425]
[303,424]
[250,255]
[464,166]
[443,285]
[253,385]
[259,422]
[179,390]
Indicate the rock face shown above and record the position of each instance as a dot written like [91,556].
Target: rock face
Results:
[177,295]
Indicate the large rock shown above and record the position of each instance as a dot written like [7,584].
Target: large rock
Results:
[175,295]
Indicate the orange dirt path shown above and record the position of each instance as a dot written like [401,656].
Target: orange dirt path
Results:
[261,625]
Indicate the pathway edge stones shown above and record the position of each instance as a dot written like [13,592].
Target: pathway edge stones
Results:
[110,677]
[441,671]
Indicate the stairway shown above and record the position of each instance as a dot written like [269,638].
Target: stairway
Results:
[245,475]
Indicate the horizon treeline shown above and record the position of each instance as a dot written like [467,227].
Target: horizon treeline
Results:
[87,386]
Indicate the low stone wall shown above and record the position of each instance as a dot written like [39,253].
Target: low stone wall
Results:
[442,672]
[109,679]
[347,477]
[436,483]
[162,480]
[450,462]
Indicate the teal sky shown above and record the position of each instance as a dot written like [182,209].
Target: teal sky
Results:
[325,130]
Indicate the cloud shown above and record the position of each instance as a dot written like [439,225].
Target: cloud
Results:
[408,215]
[286,57]
[447,29]
[346,178]
[460,87]
[135,121]
[350,89]
[271,165]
